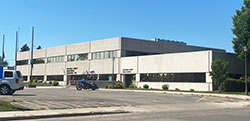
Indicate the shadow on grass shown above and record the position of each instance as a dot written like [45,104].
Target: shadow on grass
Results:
[24,95]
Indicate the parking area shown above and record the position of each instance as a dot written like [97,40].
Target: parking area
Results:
[61,98]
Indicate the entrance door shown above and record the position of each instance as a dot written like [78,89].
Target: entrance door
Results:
[129,78]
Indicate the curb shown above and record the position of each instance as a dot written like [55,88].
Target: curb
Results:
[23,115]
[241,97]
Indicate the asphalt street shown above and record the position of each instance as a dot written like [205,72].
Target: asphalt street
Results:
[153,106]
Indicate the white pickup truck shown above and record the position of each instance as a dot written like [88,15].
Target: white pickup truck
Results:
[10,81]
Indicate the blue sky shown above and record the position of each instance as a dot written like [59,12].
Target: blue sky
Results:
[60,22]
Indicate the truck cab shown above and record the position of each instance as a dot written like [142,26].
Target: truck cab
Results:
[10,81]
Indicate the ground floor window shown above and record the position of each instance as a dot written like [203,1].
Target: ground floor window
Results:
[55,78]
[25,78]
[173,77]
[105,77]
[37,78]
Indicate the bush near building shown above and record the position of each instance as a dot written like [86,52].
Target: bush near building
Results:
[117,85]
[132,86]
[235,85]
[219,74]
[145,86]
[165,87]
[55,83]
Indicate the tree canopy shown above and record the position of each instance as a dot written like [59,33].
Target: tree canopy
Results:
[241,30]
[5,63]
[25,48]
[219,73]
[39,47]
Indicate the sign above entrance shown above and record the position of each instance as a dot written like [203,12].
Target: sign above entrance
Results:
[127,70]
[72,70]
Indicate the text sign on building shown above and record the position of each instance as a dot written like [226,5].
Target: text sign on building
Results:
[72,70]
[127,70]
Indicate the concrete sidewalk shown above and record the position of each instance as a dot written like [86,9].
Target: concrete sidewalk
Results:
[242,97]
[14,115]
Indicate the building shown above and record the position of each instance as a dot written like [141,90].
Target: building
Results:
[136,61]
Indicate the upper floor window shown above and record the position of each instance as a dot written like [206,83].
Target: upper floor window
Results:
[77,57]
[22,62]
[104,55]
[38,60]
[56,59]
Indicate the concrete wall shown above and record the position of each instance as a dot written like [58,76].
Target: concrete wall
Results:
[168,63]
[236,66]
[106,44]
[181,86]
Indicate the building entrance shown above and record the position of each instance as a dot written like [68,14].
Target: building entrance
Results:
[129,79]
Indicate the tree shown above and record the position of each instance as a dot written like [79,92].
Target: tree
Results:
[25,48]
[241,30]
[5,63]
[39,47]
[219,73]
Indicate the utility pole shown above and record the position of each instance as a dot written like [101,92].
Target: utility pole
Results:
[31,58]
[246,90]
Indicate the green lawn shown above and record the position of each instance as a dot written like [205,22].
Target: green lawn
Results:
[7,106]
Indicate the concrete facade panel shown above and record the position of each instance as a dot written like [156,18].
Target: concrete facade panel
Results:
[174,63]
[78,48]
[104,66]
[82,66]
[181,86]
[55,69]
[23,55]
[56,51]
[38,69]
[105,45]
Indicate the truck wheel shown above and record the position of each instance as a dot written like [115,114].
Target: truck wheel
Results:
[5,90]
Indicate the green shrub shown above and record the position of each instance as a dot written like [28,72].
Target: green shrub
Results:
[132,86]
[235,85]
[55,83]
[145,86]
[117,85]
[165,86]
[191,90]
[177,89]
[50,82]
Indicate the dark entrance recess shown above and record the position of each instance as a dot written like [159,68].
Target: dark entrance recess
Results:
[129,78]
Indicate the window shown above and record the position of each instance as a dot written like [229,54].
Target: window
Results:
[104,55]
[19,74]
[173,77]
[38,61]
[55,59]
[8,74]
[105,77]
[77,57]
[37,78]
[55,78]
[22,62]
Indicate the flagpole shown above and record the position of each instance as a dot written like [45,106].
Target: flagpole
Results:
[31,59]
[16,48]
[3,56]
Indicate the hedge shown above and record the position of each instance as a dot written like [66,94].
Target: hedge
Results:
[236,85]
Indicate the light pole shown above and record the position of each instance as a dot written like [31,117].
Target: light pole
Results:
[245,50]
[113,60]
